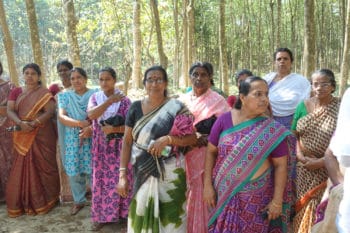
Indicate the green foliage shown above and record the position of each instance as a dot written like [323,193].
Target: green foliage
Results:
[105,33]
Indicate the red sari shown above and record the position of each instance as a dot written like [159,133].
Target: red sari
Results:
[6,140]
[33,185]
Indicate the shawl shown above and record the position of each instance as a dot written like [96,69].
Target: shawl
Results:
[206,105]
[285,94]
[111,110]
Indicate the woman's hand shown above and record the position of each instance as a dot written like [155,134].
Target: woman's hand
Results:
[115,98]
[26,126]
[313,163]
[202,140]
[85,132]
[274,210]
[84,123]
[123,186]
[158,145]
[108,129]
[209,195]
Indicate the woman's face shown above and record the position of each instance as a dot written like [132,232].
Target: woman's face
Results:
[64,73]
[200,79]
[31,77]
[106,81]
[78,81]
[321,86]
[257,100]
[283,63]
[155,83]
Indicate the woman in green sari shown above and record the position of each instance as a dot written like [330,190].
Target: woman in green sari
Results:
[153,125]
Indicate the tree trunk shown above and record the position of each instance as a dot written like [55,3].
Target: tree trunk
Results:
[185,62]
[309,59]
[8,44]
[71,24]
[223,50]
[177,45]
[35,39]
[191,33]
[136,66]
[278,32]
[346,54]
[162,57]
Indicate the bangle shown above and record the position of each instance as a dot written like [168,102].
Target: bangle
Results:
[170,140]
[276,205]
[37,120]
[122,169]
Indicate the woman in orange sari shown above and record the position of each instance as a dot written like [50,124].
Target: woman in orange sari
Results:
[33,185]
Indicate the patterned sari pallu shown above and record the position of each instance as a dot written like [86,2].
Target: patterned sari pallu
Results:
[241,152]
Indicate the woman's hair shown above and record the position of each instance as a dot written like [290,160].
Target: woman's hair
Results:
[329,74]
[243,72]
[34,67]
[287,50]
[157,68]
[244,88]
[110,70]
[80,70]
[1,69]
[65,63]
[206,65]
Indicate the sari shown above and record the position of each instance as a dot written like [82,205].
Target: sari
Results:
[315,130]
[242,150]
[159,200]
[33,185]
[6,145]
[202,107]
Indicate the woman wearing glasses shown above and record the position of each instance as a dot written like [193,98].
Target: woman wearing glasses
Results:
[156,129]
[206,105]
[314,123]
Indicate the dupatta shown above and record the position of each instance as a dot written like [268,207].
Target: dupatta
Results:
[23,140]
[246,158]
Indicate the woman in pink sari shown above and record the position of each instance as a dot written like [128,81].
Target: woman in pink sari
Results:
[205,105]
[6,139]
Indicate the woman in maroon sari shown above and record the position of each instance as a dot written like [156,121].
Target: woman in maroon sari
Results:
[6,140]
[33,185]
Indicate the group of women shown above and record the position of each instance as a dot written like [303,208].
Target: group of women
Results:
[190,164]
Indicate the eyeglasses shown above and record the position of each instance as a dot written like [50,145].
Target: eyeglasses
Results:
[197,75]
[322,85]
[156,81]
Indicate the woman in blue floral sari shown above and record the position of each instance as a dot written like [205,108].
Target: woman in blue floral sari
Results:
[72,114]
[152,125]
[246,182]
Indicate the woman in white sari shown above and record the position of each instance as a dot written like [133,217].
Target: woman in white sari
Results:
[154,126]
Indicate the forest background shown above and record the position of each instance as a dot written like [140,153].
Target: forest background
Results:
[131,35]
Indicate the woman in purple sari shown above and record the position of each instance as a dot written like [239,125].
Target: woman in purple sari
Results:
[246,181]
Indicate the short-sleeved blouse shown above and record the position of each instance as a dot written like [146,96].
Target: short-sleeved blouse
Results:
[224,122]
[300,112]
